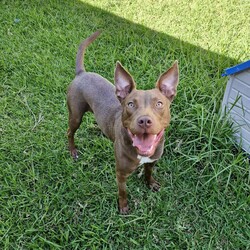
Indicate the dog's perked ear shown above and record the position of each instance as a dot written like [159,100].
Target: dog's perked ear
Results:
[168,81]
[124,82]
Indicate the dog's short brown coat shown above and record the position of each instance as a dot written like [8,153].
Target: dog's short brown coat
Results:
[133,119]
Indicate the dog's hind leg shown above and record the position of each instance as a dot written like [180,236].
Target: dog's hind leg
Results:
[77,108]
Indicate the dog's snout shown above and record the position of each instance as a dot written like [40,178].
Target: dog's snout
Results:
[144,122]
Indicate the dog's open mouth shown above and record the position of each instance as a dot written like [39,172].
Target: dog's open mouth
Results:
[145,143]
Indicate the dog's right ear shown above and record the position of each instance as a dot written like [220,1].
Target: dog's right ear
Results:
[124,82]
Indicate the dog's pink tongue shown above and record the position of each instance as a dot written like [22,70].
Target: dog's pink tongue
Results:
[144,142]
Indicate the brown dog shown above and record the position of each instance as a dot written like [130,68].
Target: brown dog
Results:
[135,120]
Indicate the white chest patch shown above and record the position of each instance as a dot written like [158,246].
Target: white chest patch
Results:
[144,159]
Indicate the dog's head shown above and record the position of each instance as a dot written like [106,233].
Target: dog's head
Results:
[146,113]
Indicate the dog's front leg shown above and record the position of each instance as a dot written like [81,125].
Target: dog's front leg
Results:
[121,179]
[126,163]
[151,182]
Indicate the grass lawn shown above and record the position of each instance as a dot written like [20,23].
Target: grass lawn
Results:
[47,201]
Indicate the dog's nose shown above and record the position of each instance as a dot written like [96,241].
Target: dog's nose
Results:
[144,122]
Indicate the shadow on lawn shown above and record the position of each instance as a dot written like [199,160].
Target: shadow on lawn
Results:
[44,191]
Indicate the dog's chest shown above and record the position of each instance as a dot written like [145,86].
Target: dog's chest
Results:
[144,159]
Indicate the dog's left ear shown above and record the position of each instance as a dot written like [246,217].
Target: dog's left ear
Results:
[124,82]
[168,81]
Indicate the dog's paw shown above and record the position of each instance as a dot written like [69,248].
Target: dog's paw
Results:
[155,186]
[74,154]
[124,210]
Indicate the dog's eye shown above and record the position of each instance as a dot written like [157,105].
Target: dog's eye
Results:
[131,104]
[159,104]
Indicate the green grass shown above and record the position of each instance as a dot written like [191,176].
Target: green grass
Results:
[47,201]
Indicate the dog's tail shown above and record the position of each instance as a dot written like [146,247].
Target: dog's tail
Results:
[81,50]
